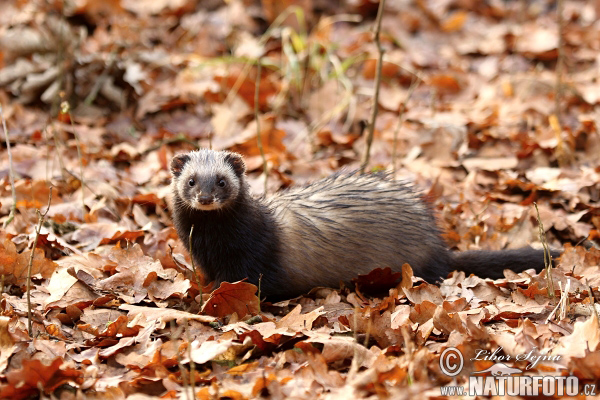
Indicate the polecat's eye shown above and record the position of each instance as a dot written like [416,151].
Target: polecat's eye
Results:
[222,183]
[191,182]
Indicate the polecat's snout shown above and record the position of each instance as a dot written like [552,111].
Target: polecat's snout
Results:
[205,200]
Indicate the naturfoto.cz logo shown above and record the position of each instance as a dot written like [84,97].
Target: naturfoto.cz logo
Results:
[504,380]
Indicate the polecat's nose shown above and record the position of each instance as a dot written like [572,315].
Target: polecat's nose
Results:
[205,200]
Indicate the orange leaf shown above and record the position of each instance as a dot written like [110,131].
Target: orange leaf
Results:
[388,69]
[14,265]
[127,235]
[378,280]
[33,376]
[445,84]
[455,22]
[239,297]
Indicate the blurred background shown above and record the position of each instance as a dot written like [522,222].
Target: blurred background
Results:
[488,105]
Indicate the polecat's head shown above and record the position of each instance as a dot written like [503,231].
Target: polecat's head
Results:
[208,179]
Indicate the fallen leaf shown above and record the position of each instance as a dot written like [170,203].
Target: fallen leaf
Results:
[35,376]
[377,281]
[229,298]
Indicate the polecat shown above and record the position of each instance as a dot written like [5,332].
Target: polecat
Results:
[318,235]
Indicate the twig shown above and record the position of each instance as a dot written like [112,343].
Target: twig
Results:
[65,108]
[192,363]
[354,364]
[413,86]
[547,254]
[369,326]
[175,336]
[592,303]
[258,135]
[259,300]
[409,349]
[563,303]
[13,207]
[194,265]
[29,266]
[564,153]
[375,109]
[60,160]
[559,60]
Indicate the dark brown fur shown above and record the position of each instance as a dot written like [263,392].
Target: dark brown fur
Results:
[318,235]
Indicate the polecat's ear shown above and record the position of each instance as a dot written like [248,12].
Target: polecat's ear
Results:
[237,163]
[177,164]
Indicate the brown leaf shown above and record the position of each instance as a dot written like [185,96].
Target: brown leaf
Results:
[33,376]
[257,340]
[242,369]
[407,275]
[208,350]
[423,312]
[388,69]
[447,322]
[130,236]
[7,343]
[445,84]
[138,276]
[454,22]
[14,265]
[239,297]
[379,280]
[424,292]
[165,315]
[587,367]
[584,339]
[338,348]
[297,322]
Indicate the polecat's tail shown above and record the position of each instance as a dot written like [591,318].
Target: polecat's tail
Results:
[490,264]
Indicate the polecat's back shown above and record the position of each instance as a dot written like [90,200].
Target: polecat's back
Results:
[349,224]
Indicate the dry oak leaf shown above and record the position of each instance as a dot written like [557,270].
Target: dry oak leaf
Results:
[91,235]
[34,375]
[445,84]
[243,368]
[66,290]
[447,322]
[139,276]
[401,316]
[116,329]
[587,367]
[339,348]
[208,350]
[239,297]
[423,292]
[379,280]
[257,339]
[584,339]
[7,343]
[14,265]
[131,236]
[297,322]
[164,315]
